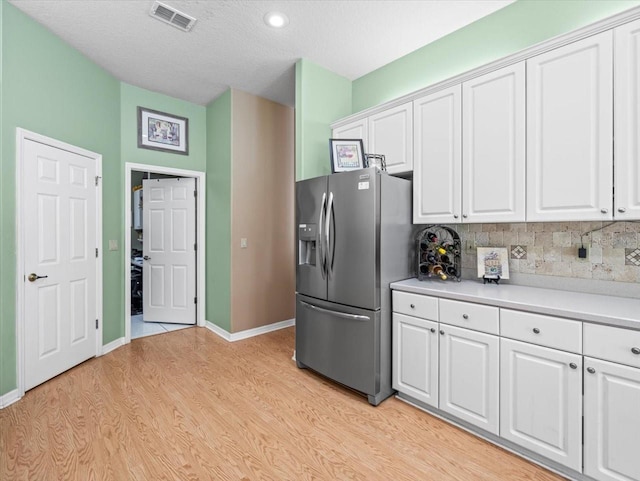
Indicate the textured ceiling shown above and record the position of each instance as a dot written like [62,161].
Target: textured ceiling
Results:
[230,46]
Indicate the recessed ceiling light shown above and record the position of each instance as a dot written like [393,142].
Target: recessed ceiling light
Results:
[276,19]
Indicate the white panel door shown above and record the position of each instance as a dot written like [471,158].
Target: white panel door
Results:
[541,401]
[60,246]
[469,376]
[391,134]
[437,138]
[354,130]
[627,121]
[611,421]
[415,358]
[169,250]
[493,140]
[570,132]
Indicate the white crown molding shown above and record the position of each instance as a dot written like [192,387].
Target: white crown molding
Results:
[537,49]
[9,398]
[238,336]
[112,346]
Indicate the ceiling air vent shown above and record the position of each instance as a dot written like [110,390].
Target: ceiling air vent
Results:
[170,15]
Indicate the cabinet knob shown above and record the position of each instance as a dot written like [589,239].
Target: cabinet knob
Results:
[591,370]
[464,216]
[433,329]
[465,316]
[635,350]
[536,330]
[622,210]
[413,306]
[573,365]
[441,332]
[455,216]
[604,211]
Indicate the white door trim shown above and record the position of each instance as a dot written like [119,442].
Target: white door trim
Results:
[200,239]
[21,136]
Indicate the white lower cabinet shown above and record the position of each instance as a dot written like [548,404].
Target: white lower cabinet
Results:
[612,421]
[469,376]
[415,358]
[541,401]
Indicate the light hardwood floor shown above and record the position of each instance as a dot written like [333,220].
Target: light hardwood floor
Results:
[187,405]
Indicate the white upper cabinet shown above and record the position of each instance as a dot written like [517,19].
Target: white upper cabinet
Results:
[438,157]
[354,130]
[569,132]
[493,142]
[627,121]
[391,134]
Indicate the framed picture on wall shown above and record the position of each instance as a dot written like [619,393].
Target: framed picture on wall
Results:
[163,131]
[346,154]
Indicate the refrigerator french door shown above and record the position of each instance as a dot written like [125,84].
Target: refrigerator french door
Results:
[353,239]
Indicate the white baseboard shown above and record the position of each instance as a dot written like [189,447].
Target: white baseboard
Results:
[9,398]
[238,336]
[107,348]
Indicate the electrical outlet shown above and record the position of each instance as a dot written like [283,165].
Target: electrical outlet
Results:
[113,245]
[243,243]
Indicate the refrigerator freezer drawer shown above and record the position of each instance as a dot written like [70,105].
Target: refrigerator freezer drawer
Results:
[339,342]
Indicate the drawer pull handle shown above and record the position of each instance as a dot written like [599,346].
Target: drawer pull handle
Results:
[536,330]
[573,365]
[441,332]
[465,316]
[635,350]
[412,306]
[591,370]
[433,329]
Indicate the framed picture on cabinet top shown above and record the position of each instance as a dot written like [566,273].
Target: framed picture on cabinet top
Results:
[346,154]
[163,131]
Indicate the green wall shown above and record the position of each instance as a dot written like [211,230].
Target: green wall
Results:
[513,28]
[321,98]
[219,211]
[50,88]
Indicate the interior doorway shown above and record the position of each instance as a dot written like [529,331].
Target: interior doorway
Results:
[151,307]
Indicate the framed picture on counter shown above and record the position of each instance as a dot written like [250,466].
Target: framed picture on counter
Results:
[163,131]
[346,154]
[493,262]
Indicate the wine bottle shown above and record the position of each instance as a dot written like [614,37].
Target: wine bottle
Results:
[432,237]
[440,250]
[424,269]
[437,270]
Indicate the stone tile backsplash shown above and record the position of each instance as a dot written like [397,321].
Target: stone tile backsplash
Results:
[551,248]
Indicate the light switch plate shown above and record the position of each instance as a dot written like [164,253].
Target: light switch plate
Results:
[113,245]
[243,243]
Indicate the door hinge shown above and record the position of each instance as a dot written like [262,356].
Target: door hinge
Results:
[195,300]
[96,323]
[98,179]
[96,252]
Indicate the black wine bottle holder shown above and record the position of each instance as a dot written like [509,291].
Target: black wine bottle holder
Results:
[438,249]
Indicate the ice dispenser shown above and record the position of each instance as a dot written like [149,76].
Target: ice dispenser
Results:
[307,237]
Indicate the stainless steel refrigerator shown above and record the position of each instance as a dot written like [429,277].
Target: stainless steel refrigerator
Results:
[354,237]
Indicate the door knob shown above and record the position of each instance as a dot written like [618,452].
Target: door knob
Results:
[573,365]
[147,258]
[34,277]
[604,211]
[622,210]
[591,370]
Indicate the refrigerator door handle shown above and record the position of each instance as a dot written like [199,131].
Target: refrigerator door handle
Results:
[353,317]
[330,252]
[322,251]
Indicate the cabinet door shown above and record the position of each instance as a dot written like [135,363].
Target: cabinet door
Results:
[627,121]
[415,358]
[437,138]
[391,134]
[569,132]
[354,130]
[541,401]
[493,142]
[611,421]
[469,373]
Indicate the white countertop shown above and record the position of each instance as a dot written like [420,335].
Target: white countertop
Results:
[615,311]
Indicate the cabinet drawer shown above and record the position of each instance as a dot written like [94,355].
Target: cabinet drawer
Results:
[612,344]
[415,305]
[472,316]
[542,330]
